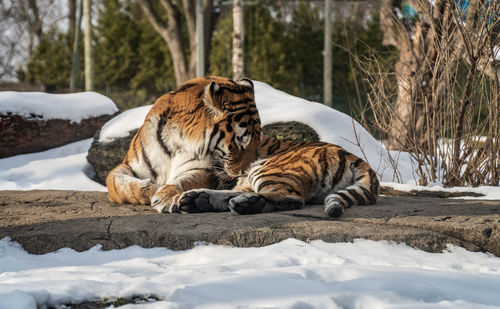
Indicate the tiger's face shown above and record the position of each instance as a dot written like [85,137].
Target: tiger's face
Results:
[238,125]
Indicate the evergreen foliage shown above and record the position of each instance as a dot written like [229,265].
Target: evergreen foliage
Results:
[133,64]
[51,62]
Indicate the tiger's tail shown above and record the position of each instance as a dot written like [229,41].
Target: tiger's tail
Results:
[363,191]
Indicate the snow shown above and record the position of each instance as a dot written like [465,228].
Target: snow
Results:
[489,192]
[61,168]
[72,106]
[290,274]
[121,125]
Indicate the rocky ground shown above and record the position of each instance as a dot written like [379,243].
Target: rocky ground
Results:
[44,221]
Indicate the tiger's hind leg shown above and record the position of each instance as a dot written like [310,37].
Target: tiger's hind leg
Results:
[123,187]
[253,203]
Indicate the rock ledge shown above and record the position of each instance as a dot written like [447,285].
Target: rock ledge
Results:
[43,221]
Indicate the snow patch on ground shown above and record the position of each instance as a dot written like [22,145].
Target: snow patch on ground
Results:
[71,106]
[61,168]
[290,274]
[489,192]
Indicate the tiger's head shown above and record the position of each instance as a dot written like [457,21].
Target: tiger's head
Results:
[236,136]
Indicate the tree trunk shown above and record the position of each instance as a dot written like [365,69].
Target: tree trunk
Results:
[89,65]
[200,38]
[71,18]
[76,49]
[421,78]
[327,56]
[238,37]
[34,25]
[171,32]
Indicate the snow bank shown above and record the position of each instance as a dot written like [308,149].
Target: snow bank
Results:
[274,105]
[489,192]
[121,125]
[290,274]
[61,168]
[72,106]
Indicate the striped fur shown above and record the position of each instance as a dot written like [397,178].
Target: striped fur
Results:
[207,126]
[289,174]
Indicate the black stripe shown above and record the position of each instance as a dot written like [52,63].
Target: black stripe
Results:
[239,89]
[212,134]
[295,178]
[244,101]
[274,147]
[199,106]
[369,195]
[374,184]
[183,88]
[357,196]
[346,198]
[237,109]
[221,136]
[161,124]
[148,163]
[340,171]
[358,162]
[131,170]
[288,187]
[200,94]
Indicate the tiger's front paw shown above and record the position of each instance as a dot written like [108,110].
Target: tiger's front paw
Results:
[248,203]
[166,199]
[195,201]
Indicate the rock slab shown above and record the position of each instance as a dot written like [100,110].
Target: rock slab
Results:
[44,221]
[22,135]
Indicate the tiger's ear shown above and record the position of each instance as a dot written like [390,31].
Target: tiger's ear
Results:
[210,98]
[246,82]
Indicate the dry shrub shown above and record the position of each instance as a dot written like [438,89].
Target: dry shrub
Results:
[441,100]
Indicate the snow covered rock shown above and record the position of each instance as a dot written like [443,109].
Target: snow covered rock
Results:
[105,156]
[35,121]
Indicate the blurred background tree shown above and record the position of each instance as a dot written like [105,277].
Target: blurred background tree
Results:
[283,45]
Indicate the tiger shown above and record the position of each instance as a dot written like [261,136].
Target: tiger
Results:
[288,174]
[207,127]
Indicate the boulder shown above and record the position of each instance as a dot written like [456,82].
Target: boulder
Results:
[104,156]
[21,134]
[293,130]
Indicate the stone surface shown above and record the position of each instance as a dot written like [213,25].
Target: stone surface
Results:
[105,156]
[44,221]
[293,130]
[20,135]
